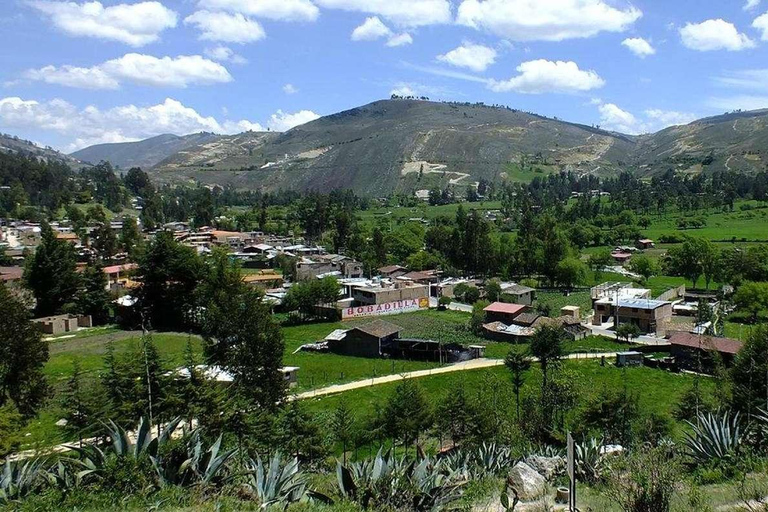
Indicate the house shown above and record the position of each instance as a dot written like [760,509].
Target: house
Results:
[11,275]
[621,257]
[265,279]
[503,312]
[697,353]
[571,311]
[527,319]
[384,294]
[117,275]
[518,294]
[645,243]
[392,271]
[651,316]
[221,376]
[631,358]
[60,324]
[365,340]
[329,264]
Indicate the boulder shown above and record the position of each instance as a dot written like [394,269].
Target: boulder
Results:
[62,422]
[548,467]
[611,449]
[527,482]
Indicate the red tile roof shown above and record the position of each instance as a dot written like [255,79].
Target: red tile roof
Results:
[120,268]
[502,307]
[722,345]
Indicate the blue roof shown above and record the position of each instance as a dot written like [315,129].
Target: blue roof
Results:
[642,303]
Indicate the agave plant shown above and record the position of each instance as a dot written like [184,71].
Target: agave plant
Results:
[365,480]
[589,460]
[279,484]
[145,443]
[493,459]
[69,473]
[458,462]
[436,486]
[714,437]
[199,467]
[19,479]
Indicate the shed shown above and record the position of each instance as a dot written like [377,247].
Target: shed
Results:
[366,340]
[696,352]
[518,294]
[503,312]
[631,358]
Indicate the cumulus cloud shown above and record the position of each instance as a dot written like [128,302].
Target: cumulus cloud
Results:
[290,89]
[225,54]
[761,24]
[471,56]
[133,24]
[282,121]
[373,28]
[713,35]
[614,118]
[91,125]
[639,46]
[280,10]
[553,20]
[181,71]
[544,76]
[370,30]
[229,28]
[404,13]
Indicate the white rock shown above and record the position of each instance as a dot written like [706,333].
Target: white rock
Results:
[548,467]
[527,482]
[611,449]
[62,423]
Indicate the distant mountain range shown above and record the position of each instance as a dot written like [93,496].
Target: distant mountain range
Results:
[15,145]
[405,145]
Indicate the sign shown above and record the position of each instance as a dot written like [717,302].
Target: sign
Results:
[389,308]
[571,456]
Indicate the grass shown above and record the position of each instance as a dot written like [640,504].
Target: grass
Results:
[739,225]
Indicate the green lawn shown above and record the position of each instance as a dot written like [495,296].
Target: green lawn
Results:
[751,225]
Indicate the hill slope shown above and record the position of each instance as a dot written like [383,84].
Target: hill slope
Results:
[15,145]
[145,153]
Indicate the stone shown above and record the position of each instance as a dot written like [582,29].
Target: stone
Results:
[548,467]
[527,482]
[62,422]
[611,449]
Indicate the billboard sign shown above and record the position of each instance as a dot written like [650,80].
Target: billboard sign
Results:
[389,308]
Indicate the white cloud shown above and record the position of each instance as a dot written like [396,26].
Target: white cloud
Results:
[469,55]
[229,28]
[756,79]
[754,83]
[281,10]
[418,90]
[544,76]
[290,89]
[761,24]
[225,54]
[406,13]
[403,90]
[134,24]
[181,71]
[282,121]
[400,40]
[91,125]
[614,118]
[712,35]
[370,30]
[551,20]
[751,4]
[639,46]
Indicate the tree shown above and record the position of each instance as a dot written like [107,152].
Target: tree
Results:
[644,266]
[518,365]
[343,425]
[137,181]
[644,481]
[11,424]
[105,241]
[94,298]
[299,433]
[406,413]
[547,346]
[570,272]
[691,258]
[749,375]
[478,316]
[493,291]
[455,415]
[78,408]
[51,273]
[627,332]
[23,354]
[598,261]
[130,237]
[752,298]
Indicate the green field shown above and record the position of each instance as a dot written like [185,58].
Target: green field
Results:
[750,225]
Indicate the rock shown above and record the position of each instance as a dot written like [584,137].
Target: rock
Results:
[611,449]
[62,423]
[548,467]
[527,482]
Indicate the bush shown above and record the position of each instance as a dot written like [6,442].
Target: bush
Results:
[644,481]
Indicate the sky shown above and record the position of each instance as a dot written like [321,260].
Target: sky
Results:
[76,73]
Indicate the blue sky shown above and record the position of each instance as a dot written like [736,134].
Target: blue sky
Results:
[76,73]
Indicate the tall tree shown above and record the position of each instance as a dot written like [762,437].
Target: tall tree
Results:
[93,298]
[23,353]
[518,365]
[343,425]
[547,346]
[51,273]
[105,241]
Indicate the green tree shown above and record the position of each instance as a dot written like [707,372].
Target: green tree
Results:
[477,320]
[493,291]
[130,237]
[23,354]
[627,332]
[598,261]
[78,407]
[644,266]
[105,241]
[94,298]
[455,415]
[11,425]
[300,433]
[517,364]
[749,375]
[571,272]
[752,298]
[343,425]
[547,346]
[407,413]
[51,273]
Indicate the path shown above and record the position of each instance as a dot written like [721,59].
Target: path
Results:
[474,364]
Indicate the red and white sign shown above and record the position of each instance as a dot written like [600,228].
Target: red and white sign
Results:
[389,308]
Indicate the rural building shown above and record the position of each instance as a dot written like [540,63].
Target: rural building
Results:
[62,324]
[330,264]
[621,257]
[527,319]
[365,340]
[571,311]
[392,271]
[503,312]
[692,350]
[118,276]
[518,294]
[11,275]
[651,316]
[645,243]
[264,280]
[630,358]
[221,376]
[382,294]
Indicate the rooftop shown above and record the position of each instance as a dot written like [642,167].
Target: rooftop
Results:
[642,303]
[722,345]
[502,307]
[379,328]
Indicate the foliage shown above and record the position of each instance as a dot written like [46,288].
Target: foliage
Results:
[715,438]
[627,331]
[752,298]
[477,319]
[51,273]
[93,298]
[277,484]
[611,414]
[644,481]
[644,266]
[195,466]
[748,374]
[589,459]
[517,364]
[306,296]
[23,354]
[19,479]
[407,412]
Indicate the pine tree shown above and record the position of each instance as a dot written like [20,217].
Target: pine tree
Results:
[51,273]
[94,298]
[343,425]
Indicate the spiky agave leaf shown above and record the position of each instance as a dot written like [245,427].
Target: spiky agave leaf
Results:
[714,436]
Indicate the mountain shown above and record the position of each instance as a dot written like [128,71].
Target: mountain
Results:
[15,145]
[145,153]
[402,145]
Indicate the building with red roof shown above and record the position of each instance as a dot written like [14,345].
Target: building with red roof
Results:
[504,312]
[701,353]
